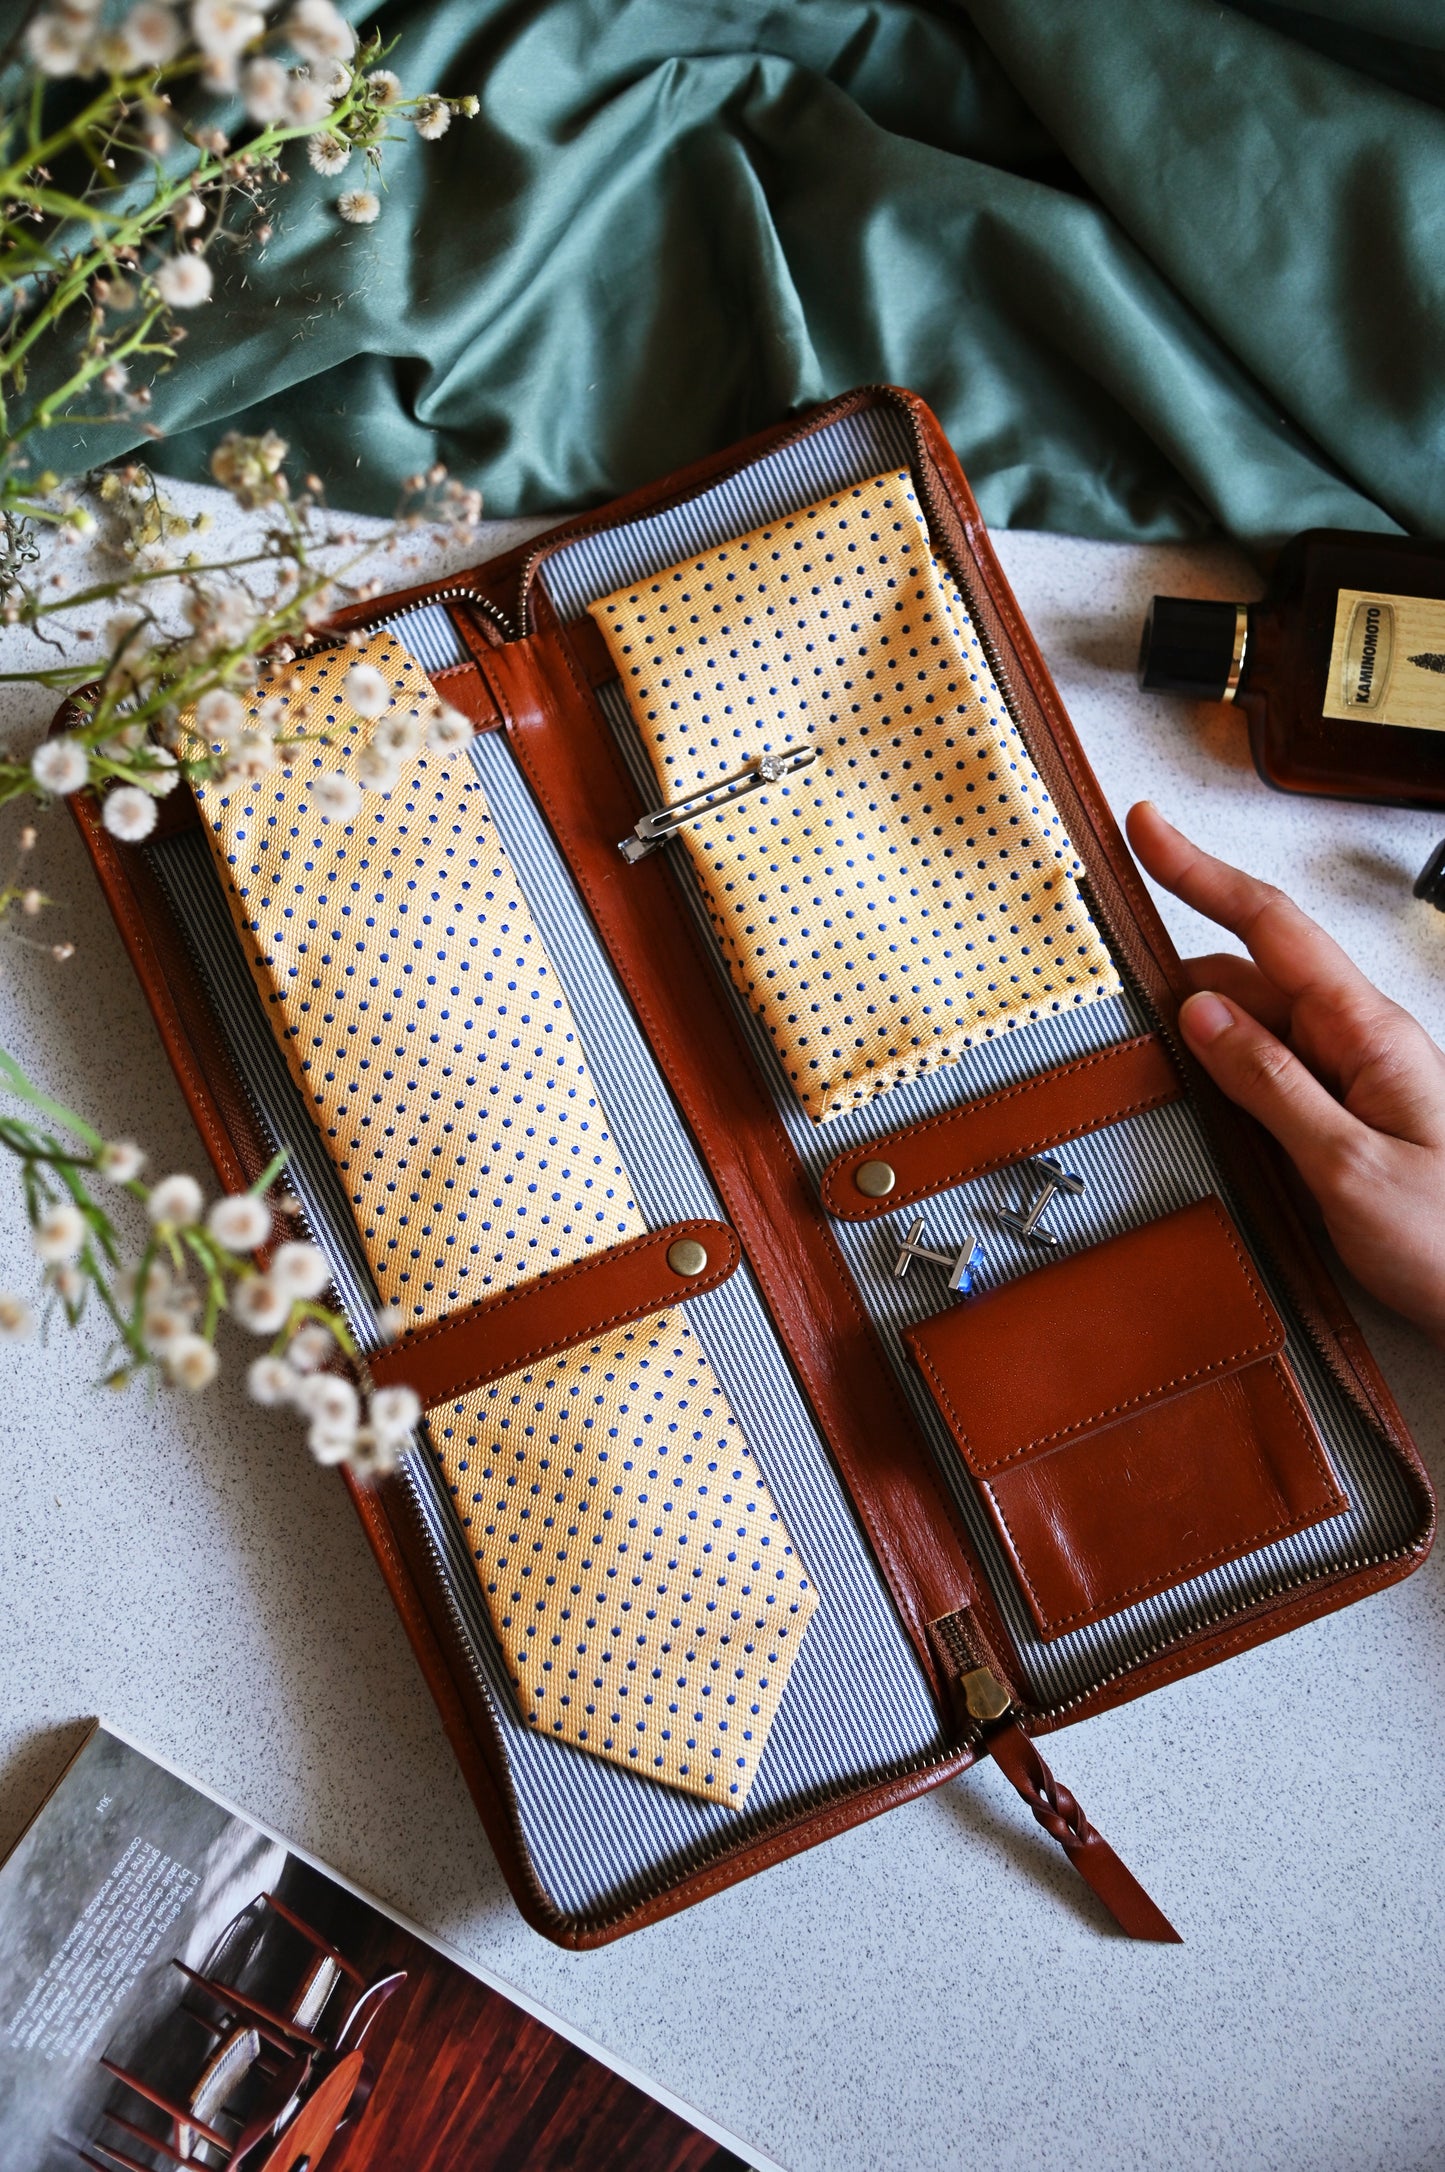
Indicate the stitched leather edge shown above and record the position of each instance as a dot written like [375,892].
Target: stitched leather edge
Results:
[864,1210]
[389,1363]
[1113,1602]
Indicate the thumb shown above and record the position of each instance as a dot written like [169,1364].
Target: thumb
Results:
[1255,1069]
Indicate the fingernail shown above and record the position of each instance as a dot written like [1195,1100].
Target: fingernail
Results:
[1205,1016]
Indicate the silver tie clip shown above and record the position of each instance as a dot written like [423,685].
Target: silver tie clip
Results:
[1029,1223]
[654,829]
[962,1265]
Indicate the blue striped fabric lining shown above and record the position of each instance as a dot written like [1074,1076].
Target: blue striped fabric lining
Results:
[1135,1171]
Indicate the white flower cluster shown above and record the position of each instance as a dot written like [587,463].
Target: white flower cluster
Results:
[341,1428]
[68,38]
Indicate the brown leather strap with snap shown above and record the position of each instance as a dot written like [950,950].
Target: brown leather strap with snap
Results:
[520,1327]
[996,1129]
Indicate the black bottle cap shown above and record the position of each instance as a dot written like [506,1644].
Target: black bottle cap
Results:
[1430,882]
[1190,647]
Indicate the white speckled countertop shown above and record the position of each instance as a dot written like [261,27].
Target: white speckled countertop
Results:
[936,1990]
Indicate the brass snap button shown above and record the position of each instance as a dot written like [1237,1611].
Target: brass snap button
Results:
[874,1179]
[687,1256]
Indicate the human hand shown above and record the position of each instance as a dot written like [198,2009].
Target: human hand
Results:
[1350,1085]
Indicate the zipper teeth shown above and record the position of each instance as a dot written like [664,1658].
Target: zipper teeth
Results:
[1257,1604]
[384,615]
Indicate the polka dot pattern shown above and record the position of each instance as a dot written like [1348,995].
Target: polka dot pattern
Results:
[637,1571]
[913,891]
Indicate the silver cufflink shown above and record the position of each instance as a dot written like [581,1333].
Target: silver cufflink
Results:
[654,829]
[962,1265]
[1029,1220]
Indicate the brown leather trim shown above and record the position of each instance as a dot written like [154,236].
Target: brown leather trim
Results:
[995,1129]
[520,1327]
[566,749]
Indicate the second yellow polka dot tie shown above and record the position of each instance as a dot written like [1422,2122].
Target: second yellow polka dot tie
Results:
[912,891]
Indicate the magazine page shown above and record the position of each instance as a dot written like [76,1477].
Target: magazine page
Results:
[177,1985]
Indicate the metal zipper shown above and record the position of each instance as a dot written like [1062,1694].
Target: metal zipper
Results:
[457,592]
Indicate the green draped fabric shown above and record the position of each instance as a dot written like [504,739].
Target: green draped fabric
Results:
[1160,265]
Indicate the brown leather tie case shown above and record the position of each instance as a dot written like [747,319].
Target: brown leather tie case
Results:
[1152,1439]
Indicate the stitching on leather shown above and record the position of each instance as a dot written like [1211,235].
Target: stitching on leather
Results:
[847,1210]
[899,1572]
[459,1323]
[1112,1602]
[1265,1348]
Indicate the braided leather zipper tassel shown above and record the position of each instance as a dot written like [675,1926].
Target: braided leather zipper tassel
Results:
[959,1644]
[1061,1817]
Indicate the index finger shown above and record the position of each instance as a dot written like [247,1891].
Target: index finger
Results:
[1289,948]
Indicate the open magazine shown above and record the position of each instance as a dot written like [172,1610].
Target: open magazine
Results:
[178,1986]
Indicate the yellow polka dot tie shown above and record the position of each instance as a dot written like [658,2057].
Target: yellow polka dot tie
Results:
[643,1588]
[913,889]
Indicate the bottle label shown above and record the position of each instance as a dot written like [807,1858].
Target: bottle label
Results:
[1387,664]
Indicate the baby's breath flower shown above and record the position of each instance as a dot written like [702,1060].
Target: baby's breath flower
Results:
[223,28]
[331,1445]
[32,903]
[397,736]
[162,1325]
[239,1222]
[263,89]
[56,46]
[376,769]
[366,690]
[300,1270]
[334,77]
[359,206]
[328,153]
[120,1161]
[327,1399]
[249,757]
[306,102]
[60,766]
[16,1317]
[189,213]
[385,86]
[184,282]
[448,730]
[310,1347]
[59,1235]
[319,32]
[336,798]
[389,1322]
[251,468]
[270,1380]
[394,1413]
[128,813]
[175,1203]
[191,1362]
[259,1305]
[433,117]
[220,714]
[151,35]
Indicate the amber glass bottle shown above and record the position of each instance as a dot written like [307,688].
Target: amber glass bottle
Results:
[1340,669]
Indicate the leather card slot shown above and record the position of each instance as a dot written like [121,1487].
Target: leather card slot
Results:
[993,1130]
[1129,1416]
[538,1320]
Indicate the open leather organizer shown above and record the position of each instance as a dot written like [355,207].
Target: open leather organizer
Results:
[750,1065]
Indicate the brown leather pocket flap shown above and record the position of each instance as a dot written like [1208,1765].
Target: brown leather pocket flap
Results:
[1083,1342]
[520,1327]
[1128,1417]
[989,1132]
